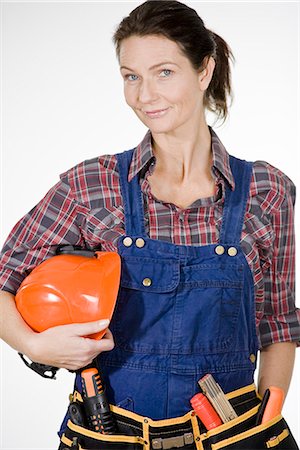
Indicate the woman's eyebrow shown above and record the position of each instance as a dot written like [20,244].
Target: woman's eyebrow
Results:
[153,67]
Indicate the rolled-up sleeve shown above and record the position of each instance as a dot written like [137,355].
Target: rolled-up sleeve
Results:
[281,319]
[52,222]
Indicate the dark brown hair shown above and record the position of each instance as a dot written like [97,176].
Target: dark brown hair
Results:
[181,24]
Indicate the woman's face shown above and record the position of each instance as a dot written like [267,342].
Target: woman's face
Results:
[160,84]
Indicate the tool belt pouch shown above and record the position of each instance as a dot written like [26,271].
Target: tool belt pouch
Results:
[187,432]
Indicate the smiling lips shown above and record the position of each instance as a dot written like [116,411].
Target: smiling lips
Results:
[156,113]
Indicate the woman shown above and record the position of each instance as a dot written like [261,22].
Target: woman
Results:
[206,246]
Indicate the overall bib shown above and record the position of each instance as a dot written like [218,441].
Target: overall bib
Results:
[182,312]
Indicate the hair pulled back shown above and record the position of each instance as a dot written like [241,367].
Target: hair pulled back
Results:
[181,24]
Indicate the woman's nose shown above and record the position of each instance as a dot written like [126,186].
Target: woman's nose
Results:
[147,91]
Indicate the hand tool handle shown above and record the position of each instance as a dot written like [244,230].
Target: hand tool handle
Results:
[205,411]
[95,403]
[274,404]
[262,407]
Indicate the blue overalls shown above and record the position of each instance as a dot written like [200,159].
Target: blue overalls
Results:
[182,311]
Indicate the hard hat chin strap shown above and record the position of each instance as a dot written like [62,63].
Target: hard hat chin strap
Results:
[42,369]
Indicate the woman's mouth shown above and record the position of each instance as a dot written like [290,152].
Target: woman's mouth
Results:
[156,113]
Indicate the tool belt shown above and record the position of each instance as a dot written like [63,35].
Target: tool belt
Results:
[136,432]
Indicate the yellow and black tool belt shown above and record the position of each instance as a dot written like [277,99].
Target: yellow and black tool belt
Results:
[136,432]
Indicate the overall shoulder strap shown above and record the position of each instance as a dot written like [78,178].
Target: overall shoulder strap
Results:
[236,202]
[131,195]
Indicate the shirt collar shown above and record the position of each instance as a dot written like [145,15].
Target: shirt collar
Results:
[143,155]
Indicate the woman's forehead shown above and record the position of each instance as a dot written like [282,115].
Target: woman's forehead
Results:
[149,48]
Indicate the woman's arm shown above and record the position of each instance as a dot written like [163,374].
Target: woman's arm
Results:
[276,366]
[279,324]
[63,346]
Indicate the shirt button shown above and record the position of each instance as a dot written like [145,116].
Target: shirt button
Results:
[252,358]
[232,251]
[147,282]
[140,242]
[127,241]
[219,250]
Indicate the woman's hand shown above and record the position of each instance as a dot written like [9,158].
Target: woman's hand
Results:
[67,345]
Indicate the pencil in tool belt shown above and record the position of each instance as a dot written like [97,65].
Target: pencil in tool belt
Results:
[217,398]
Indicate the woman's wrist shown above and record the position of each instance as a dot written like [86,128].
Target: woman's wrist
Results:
[31,346]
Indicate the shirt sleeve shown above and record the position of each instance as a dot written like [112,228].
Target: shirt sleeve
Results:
[280,321]
[52,222]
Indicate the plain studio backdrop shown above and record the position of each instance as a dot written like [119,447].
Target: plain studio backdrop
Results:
[62,102]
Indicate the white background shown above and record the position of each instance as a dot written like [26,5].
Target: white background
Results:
[62,102]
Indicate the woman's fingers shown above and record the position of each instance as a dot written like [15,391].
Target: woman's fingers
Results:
[87,328]
[103,345]
[67,345]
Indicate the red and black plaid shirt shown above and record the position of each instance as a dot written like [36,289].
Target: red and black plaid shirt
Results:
[85,208]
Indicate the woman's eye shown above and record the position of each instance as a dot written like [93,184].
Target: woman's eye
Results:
[131,77]
[166,72]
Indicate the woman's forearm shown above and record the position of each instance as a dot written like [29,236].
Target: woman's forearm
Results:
[13,330]
[276,366]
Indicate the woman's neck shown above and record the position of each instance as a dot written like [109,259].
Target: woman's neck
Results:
[182,158]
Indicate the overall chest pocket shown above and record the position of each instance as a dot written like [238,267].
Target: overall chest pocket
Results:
[212,310]
[143,317]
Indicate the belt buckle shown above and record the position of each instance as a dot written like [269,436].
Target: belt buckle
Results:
[172,442]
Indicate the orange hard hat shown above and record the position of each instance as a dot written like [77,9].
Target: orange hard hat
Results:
[68,289]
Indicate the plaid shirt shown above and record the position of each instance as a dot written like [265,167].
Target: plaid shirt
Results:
[85,208]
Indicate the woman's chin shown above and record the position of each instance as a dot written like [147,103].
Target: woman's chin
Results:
[159,127]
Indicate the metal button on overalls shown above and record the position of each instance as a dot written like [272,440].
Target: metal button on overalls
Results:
[195,316]
[140,242]
[232,251]
[127,241]
[147,282]
[219,250]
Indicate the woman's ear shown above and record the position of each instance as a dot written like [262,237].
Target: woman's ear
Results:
[206,74]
